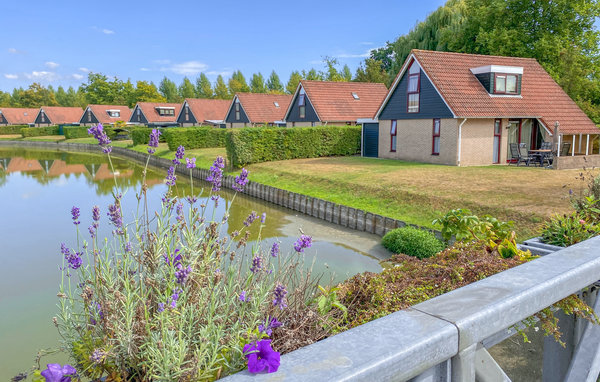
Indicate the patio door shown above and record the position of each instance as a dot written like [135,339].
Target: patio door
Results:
[513,136]
[497,137]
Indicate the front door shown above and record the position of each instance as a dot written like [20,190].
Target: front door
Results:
[513,136]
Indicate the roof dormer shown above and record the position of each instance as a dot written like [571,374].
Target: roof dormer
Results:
[165,110]
[499,79]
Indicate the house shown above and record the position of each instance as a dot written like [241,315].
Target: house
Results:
[105,114]
[202,112]
[252,109]
[466,109]
[335,103]
[155,114]
[17,116]
[57,115]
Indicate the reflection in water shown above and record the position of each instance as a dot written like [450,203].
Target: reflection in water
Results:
[37,191]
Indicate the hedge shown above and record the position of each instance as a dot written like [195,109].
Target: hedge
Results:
[72,132]
[39,131]
[195,137]
[11,129]
[254,145]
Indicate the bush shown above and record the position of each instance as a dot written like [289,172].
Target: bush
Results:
[72,132]
[141,135]
[255,145]
[568,230]
[11,129]
[39,131]
[195,137]
[413,242]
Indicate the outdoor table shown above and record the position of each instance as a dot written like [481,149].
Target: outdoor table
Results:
[541,154]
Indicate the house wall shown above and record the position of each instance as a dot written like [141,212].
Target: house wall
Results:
[88,121]
[477,139]
[3,120]
[230,118]
[42,119]
[415,138]
[310,113]
[575,147]
[138,117]
[186,117]
[234,125]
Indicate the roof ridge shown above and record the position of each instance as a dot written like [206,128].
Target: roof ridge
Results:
[471,54]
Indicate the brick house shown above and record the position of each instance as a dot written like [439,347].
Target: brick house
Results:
[17,116]
[105,114]
[254,109]
[57,115]
[155,114]
[203,112]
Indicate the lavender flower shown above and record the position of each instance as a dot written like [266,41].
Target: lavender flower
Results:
[153,143]
[179,155]
[182,274]
[95,311]
[98,356]
[244,297]
[73,258]
[56,373]
[190,162]
[128,247]
[191,199]
[256,264]
[241,180]
[270,324]
[95,213]
[261,356]
[171,177]
[250,219]
[161,307]
[302,243]
[279,296]
[275,250]
[103,140]
[263,217]
[176,258]
[75,215]
[114,215]
[174,298]
[216,173]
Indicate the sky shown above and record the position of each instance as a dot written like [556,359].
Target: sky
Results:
[59,42]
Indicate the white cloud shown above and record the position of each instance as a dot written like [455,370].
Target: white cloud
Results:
[144,69]
[41,76]
[11,76]
[108,31]
[52,65]
[188,68]
[16,51]
[350,55]
[224,73]
[365,43]
[85,70]
[77,76]
[162,62]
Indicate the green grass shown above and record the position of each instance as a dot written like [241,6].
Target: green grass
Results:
[204,157]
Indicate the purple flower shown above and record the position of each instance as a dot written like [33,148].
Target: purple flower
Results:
[174,298]
[244,297]
[190,162]
[241,180]
[95,213]
[73,258]
[279,296]
[302,243]
[171,177]
[99,133]
[128,247]
[161,307]
[270,324]
[216,173]
[256,264]
[176,258]
[95,311]
[92,230]
[153,143]
[263,217]
[57,373]
[114,215]
[75,215]
[275,249]
[179,154]
[98,356]
[182,274]
[260,355]
[250,219]
[191,199]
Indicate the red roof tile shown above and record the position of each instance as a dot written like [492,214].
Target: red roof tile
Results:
[59,115]
[149,110]
[541,96]
[334,102]
[261,108]
[208,109]
[19,116]
[101,113]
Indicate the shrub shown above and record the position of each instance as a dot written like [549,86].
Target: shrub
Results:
[141,135]
[464,226]
[413,242]
[72,132]
[39,131]
[195,137]
[11,129]
[254,145]
[568,230]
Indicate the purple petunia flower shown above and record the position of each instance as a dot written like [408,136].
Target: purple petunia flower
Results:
[241,181]
[103,140]
[268,326]
[190,162]
[244,297]
[275,250]
[279,296]
[171,177]
[302,243]
[250,219]
[153,142]
[261,356]
[57,373]
[75,215]
[216,173]
[256,264]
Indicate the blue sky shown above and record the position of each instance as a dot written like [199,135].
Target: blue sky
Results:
[59,42]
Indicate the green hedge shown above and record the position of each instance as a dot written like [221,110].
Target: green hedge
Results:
[195,137]
[11,129]
[72,132]
[254,145]
[39,131]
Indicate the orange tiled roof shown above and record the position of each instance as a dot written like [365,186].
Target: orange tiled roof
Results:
[260,107]
[19,116]
[149,110]
[60,167]
[541,96]
[19,164]
[333,101]
[61,115]
[208,109]
[100,111]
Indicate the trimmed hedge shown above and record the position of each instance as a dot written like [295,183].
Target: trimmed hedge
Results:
[72,132]
[255,145]
[412,241]
[11,129]
[141,135]
[39,131]
[195,137]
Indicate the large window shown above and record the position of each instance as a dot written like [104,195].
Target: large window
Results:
[414,84]
[393,135]
[165,112]
[435,145]
[302,106]
[237,109]
[505,83]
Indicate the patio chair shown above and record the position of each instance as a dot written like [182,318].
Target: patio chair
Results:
[519,152]
[564,149]
[546,146]
[547,157]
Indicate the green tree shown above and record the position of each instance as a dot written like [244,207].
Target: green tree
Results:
[257,83]
[203,87]
[61,97]
[331,73]
[147,92]
[186,89]
[274,84]
[372,71]
[346,73]
[221,91]
[237,83]
[129,94]
[293,82]
[313,75]
[15,97]
[37,95]
[4,99]
[168,89]
[101,90]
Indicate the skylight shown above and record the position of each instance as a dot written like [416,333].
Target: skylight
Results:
[276,104]
[355,96]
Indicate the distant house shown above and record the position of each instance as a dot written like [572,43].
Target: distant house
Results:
[17,116]
[252,109]
[58,115]
[155,114]
[105,114]
[202,112]
[466,109]
[341,103]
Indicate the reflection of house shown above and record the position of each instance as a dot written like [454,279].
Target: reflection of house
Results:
[105,114]
[201,112]
[155,114]
[60,167]
[251,109]
[17,116]
[103,172]
[58,115]
[465,109]
[18,164]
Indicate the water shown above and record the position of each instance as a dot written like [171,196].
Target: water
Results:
[37,191]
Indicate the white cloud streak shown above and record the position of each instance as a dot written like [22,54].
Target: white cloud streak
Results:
[188,68]
[108,31]
[42,76]
[52,65]
[85,70]
[11,76]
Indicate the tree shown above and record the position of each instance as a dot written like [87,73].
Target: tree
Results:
[4,99]
[346,73]
[102,91]
[293,82]
[203,87]
[274,84]
[312,75]
[15,97]
[186,89]
[147,92]
[37,95]
[237,83]
[372,71]
[61,96]
[221,91]
[257,83]
[129,94]
[168,89]
[331,72]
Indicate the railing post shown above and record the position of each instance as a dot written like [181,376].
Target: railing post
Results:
[463,365]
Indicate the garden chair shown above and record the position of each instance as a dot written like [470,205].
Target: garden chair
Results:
[524,155]
[549,157]
[564,149]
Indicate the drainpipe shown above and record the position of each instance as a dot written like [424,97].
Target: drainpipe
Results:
[460,139]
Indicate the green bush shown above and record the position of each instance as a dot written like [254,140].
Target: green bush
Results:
[11,129]
[568,230]
[39,131]
[72,132]
[141,135]
[413,242]
[195,137]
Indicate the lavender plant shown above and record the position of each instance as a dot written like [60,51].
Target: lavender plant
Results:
[169,298]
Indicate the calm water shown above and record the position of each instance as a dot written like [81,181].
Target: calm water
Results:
[37,191]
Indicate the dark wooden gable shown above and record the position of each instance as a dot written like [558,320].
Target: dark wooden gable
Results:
[88,117]
[294,112]
[186,115]
[231,115]
[42,118]
[138,116]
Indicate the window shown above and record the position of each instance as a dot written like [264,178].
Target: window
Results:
[89,115]
[435,144]
[276,104]
[413,88]
[393,135]
[165,112]
[355,96]
[302,106]
[505,84]
[187,113]
[114,113]
[237,109]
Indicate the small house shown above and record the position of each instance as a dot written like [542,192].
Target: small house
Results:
[203,112]
[105,114]
[17,116]
[155,114]
[253,109]
[57,115]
